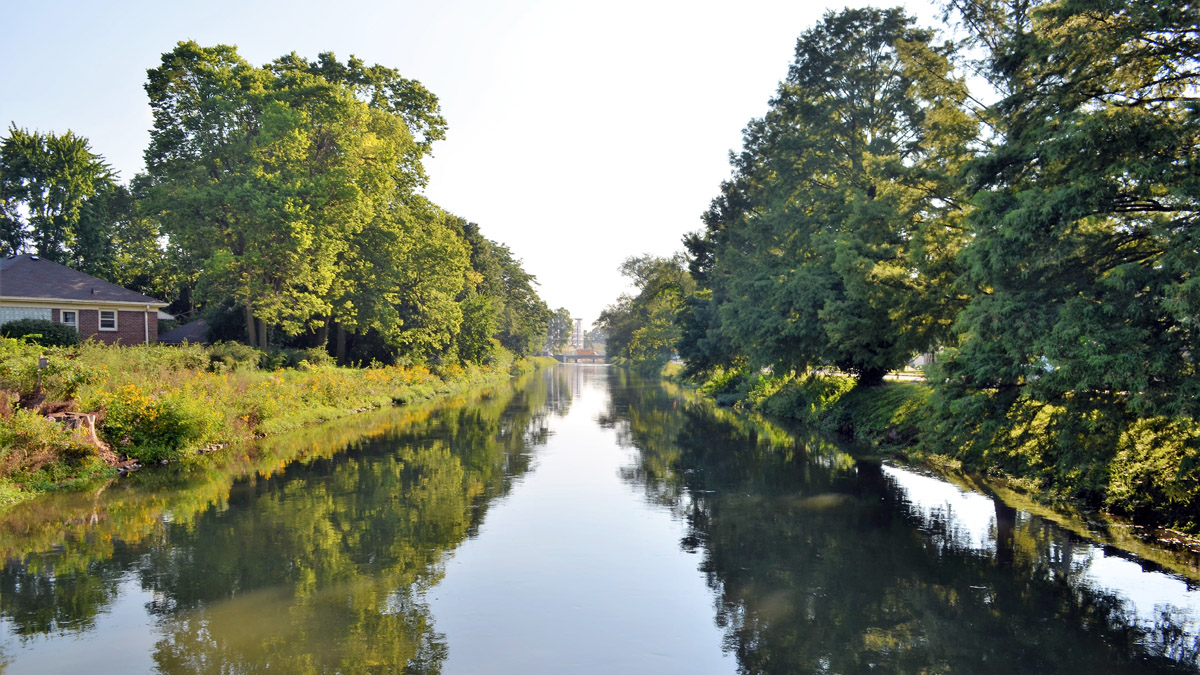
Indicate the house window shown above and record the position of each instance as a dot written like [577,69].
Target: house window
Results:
[69,317]
[108,319]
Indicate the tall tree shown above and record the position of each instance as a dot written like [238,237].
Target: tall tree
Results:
[46,181]
[523,315]
[821,249]
[558,332]
[269,174]
[118,243]
[1084,256]
[643,329]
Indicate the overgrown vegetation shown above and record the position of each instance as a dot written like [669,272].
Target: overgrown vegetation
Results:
[41,331]
[156,403]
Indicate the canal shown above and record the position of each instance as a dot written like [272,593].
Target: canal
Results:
[580,520]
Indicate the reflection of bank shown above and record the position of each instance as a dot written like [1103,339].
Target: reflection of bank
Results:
[975,522]
[309,553]
[820,562]
[575,379]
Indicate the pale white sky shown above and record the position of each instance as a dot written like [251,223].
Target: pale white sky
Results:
[579,133]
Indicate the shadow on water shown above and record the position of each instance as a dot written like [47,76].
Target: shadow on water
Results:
[307,553]
[823,563]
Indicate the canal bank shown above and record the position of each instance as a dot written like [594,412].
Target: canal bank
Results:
[891,420]
[74,416]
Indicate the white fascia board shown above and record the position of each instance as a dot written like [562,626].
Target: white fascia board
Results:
[54,302]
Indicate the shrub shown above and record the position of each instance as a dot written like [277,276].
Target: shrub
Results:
[1155,477]
[889,414]
[806,398]
[227,356]
[30,443]
[302,359]
[152,427]
[41,331]
[61,379]
[727,387]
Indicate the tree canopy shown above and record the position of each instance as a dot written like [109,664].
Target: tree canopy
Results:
[830,243]
[47,182]
[284,202]
[1043,245]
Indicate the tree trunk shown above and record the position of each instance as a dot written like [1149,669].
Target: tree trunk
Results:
[251,333]
[341,345]
[871,377]
[262,333]
[1006,527]
[323,333]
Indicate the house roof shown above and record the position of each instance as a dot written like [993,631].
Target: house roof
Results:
[195,333]
[32,277]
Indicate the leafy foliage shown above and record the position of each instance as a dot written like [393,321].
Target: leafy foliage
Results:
[1050,259]
[1079,344]
[46,180]
[41,331]
[558,332]
[834,243]
[643,330]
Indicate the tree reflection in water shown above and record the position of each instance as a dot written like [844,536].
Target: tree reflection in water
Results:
[303,555]
[314,553]
[821,563]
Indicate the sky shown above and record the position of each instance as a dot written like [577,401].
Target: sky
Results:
[579,133]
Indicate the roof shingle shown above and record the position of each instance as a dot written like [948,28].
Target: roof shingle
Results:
[28,276]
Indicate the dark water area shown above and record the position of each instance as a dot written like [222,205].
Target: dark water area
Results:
[578,521]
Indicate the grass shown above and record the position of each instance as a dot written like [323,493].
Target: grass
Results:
[156,403]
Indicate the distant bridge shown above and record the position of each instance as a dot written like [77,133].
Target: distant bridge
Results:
[589,357]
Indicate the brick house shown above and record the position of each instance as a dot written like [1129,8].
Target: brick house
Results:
[35,288]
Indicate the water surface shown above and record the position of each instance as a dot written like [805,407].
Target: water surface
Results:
[580,521]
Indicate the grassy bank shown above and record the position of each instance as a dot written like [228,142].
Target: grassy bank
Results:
[1149,474]
[155,403]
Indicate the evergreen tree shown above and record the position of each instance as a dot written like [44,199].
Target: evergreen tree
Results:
[1082,328]
[834,242]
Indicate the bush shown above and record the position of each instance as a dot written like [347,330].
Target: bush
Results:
[150,427]
[227,356]
[301,359]
[62,377]
[1155,476]
[726,387]
[807,398]
[41,331]
[31,444]
[890,414]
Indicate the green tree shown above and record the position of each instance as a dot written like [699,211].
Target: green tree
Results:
[267,175]
[642,329]
[558,332]
[400,278]
[480,298]
[524,316]
[1085,250]
[46,183]
[835,240]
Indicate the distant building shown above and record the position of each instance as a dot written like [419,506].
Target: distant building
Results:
[577,335]
[35,288]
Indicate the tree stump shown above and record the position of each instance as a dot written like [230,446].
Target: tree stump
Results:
[84,425]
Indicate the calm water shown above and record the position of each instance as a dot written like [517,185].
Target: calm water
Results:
[578,522]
